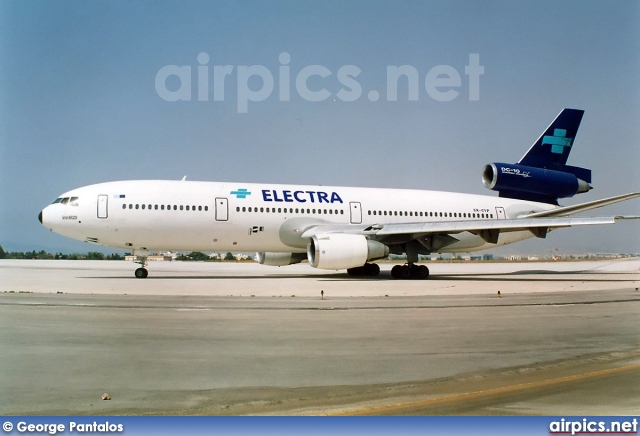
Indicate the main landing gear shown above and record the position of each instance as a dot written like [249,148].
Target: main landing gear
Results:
[368,270]
[410,272]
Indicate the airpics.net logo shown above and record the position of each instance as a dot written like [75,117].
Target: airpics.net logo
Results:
[257,83]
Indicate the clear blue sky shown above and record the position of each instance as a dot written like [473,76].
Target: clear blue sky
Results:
[79,105]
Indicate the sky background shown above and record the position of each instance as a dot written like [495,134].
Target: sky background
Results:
[78,102]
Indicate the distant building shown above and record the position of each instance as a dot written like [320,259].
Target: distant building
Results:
[152,258]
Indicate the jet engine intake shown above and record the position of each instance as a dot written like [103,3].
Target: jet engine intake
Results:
[513,178]
[343,251]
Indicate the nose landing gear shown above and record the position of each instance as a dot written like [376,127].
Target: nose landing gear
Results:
[141,273]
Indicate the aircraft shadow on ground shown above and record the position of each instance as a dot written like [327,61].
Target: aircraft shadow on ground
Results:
[515,276]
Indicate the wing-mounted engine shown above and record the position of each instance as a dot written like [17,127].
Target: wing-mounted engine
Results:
[280,259]
[343,251]
[535,184]
[543,174]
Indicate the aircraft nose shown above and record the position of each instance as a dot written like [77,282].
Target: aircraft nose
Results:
[40,217]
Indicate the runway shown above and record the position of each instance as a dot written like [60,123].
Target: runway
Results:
[564,338]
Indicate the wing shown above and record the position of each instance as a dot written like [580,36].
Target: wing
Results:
[488,230]
[436,235]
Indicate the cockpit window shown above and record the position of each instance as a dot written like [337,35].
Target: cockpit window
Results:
[67,200]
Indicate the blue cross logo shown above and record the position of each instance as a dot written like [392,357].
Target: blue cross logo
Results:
[241,193]
[558,141]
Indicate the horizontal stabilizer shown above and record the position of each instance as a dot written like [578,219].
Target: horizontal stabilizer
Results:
[583,207]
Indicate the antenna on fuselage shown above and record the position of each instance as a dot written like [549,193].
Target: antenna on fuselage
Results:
[184,178]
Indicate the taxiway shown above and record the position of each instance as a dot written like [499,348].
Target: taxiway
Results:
[564,338]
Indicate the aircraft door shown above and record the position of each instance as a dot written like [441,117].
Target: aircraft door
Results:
[103,203]
[356,212]
[222,209]
[500,213]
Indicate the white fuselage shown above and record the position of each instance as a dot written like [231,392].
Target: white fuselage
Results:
[149,215]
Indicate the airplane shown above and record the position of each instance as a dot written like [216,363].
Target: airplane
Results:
[337,228]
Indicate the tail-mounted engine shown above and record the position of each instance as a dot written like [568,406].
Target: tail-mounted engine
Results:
[535,184]
[543,174]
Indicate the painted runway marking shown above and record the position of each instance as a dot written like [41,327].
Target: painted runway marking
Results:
[399,408]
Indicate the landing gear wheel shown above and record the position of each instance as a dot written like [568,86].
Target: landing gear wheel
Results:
[141,273]
[395,271]
[371,269]
[355,272]
[368,269]
[405,272]
[410,272]
[423,272]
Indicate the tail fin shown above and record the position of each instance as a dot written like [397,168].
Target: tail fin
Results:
[552,148]
[542,174]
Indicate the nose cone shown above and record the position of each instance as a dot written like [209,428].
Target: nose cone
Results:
[40,217]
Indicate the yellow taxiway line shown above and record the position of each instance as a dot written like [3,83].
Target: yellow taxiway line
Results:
[398,408]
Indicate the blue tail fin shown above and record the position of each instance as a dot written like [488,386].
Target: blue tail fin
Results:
[542,174]
[552,148]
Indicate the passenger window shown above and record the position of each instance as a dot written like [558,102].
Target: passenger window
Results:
[206,208]
[181,207]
